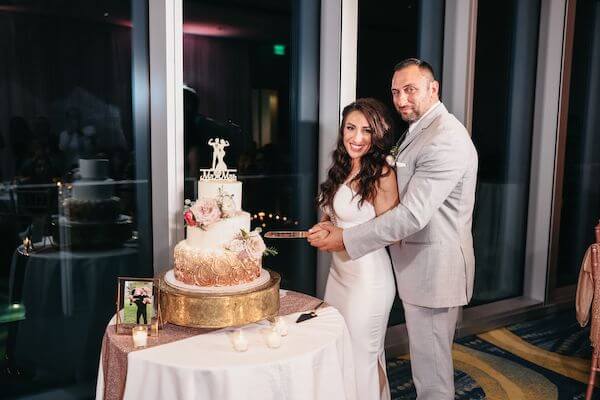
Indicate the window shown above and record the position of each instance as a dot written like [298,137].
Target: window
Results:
[505,68]
[74,194]
[249,71]
[389,32]
[580,209]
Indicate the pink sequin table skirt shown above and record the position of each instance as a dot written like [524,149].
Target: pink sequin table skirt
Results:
[115,348]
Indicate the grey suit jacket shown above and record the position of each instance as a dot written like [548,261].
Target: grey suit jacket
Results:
[429,232]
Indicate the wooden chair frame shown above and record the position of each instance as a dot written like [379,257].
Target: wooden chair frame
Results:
[595,315]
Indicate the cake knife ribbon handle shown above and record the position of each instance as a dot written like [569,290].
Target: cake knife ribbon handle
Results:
[309,315]
[286,234]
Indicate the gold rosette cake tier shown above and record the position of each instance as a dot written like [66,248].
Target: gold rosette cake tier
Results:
[214,310]
[214,267]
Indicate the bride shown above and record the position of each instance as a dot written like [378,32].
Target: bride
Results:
[359,187]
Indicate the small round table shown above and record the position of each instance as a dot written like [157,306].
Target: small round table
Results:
[67,296]
[314,361]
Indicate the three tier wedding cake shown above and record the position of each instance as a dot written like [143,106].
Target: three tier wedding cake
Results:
[220,252]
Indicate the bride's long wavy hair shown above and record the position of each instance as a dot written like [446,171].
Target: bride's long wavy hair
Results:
[372,163]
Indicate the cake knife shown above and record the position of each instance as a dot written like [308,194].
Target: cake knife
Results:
[286,234]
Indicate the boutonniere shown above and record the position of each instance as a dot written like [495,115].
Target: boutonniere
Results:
[391,158]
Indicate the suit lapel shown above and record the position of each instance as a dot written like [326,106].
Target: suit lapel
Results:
[422,125]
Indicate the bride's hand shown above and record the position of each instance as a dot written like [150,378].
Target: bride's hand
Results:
[317,232]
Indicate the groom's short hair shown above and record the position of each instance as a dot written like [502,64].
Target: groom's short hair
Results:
[423,66]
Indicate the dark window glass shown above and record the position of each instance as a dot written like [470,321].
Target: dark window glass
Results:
[388,32]
[74,202]
[251,77]
[505,67]
[580,209]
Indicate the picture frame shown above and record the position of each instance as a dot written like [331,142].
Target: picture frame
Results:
[138,303]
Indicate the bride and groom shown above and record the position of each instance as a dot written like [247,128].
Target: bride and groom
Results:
[421,207]
[218,146]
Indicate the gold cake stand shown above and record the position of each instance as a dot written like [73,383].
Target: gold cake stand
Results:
[212,310]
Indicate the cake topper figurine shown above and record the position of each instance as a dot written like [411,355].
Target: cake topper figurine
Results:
[218,146]
[219,170]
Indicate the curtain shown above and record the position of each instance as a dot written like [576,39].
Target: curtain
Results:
[218,70]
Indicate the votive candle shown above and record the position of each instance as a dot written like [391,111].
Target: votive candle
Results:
[240,343]
[140,336]
[154,326]
[281,326]
[273,339]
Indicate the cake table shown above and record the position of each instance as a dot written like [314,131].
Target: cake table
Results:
[313,362]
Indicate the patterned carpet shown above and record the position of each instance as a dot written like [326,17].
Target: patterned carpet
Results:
[543,359]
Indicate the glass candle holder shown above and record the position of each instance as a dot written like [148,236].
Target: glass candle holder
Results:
[240,343]
[281,326]
[154,326]
[139,334]
[273,339]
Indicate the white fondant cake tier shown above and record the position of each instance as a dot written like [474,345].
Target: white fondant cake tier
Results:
[96,169]
[210,189]
[219,233]
[261,280]
[92,190]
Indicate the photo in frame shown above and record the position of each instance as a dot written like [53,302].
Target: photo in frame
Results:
[138,303]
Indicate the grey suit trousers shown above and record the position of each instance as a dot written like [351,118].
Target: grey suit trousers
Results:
[430,336]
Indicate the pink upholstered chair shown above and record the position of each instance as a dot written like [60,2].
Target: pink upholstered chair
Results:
[595,315]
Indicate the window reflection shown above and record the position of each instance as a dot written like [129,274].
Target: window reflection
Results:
[72,212]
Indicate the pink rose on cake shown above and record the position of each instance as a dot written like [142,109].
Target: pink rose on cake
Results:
[188,216]
[255,247]
[206,211]
[248,245]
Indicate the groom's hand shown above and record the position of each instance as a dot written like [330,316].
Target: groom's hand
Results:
[317,232]
[332,241]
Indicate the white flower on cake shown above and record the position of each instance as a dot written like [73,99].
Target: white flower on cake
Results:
[206,211]
[226,203]
[227,207]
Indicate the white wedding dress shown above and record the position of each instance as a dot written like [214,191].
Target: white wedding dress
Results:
[363,291]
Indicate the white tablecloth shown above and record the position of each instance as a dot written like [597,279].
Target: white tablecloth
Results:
[313,362]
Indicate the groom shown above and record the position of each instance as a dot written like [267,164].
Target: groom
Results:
[429,232]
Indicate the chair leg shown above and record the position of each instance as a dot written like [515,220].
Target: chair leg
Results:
[592,379]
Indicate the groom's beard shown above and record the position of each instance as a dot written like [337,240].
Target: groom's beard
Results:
[410,116]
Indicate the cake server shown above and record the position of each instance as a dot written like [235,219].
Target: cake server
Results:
[310,314]
[286,234]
